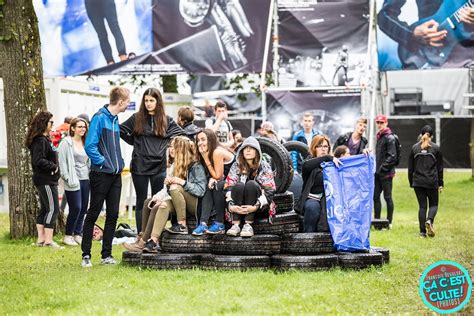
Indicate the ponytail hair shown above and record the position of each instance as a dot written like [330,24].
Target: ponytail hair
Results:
[425,141]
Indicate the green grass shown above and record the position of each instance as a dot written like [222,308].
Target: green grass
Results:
[43,281]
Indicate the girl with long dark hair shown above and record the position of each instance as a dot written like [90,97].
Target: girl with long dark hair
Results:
[425,174]
[249,187]
[149,131]
[44,160]
[218,161]
[75,167]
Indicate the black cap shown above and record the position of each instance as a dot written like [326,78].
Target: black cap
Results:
[427,129]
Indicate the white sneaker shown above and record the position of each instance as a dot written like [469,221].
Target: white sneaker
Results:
[53,245]
[69,241]
[234,230]
[86,262]
[247,231]
[108,261]
[78,239]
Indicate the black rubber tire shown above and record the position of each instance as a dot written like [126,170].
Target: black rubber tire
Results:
[349,260]
[281,163]
[256,245]
[384,251]
[235,262]
[176,243]
[170,261]
[284,202]
[131,258]
[380,223]
[286,262]
[296,186]
[300,147]
[307,243]
[282,224]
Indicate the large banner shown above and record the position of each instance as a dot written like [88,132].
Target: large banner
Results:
[335,112]
[322,43]
[204,36]
[80,35]
[425,34]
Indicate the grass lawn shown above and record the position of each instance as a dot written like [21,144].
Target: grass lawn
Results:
[44,281]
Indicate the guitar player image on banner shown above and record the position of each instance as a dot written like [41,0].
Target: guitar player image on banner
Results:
[425,34]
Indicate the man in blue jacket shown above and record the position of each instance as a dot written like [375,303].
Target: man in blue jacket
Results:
[305,136]
[103,149]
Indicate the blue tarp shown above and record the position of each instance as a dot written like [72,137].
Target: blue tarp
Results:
[349,201]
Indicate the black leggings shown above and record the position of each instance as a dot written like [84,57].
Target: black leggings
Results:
[98,11]
[49,203]
[140,183]
[425,197]
[245,194]
[213,200]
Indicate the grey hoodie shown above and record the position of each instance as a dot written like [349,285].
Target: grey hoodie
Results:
[252,142]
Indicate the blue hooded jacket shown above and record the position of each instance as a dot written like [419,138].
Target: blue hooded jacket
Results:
[103,143]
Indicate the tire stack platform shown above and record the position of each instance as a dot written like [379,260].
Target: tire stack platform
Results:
[277,245]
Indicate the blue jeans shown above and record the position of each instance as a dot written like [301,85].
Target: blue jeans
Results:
[312,213]
[78,202]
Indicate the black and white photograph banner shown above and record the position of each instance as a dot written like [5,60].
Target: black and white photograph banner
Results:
[335,111]
[322,43]
[208,36]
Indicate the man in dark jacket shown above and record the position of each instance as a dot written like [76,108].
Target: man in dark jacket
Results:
[386,157]
[355,140]
[103,149]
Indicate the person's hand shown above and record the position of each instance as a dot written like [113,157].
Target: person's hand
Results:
[153,202]
[236,209]
[367,151]
[428,33]
[236,14]
[467,15]
[440,189]
[223,116]
[248,209]
[212,183]
[167,181]
[176,180]
[337,162]
[202,151]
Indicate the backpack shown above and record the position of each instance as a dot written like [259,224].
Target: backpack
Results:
[398,148]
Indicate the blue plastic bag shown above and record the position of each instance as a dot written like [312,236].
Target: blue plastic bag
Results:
[349,200]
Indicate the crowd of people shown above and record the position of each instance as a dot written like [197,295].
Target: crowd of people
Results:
[210,173]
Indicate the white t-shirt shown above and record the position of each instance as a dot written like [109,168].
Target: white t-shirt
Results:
[309,137]
[224,129]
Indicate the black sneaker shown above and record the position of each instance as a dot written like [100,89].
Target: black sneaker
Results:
[177,229]
[151,247]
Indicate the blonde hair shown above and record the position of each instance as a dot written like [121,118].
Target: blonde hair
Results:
[117,94]
[184,156]
[318,140]
[425,141]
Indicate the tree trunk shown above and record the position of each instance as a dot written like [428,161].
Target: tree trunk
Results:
[22,73]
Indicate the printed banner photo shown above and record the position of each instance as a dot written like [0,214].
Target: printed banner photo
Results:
[335,111]
[322,43]
[207,36]
[425,34]
[77,36]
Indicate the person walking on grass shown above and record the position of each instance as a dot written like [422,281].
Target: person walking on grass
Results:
[425,174]
[218,161]
[74,167]
[103,149]
[249,188]
[44,161]
[149,131]
[185,187]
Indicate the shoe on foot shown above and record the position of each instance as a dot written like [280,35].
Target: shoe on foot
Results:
[53,245]
[151,247]
[234,230]
[200,230]
[86,262]
[247,231]
[177,229]
[429,229]
[108,261]
[422,235]
[136,246]
[39,243]
[78,239]
[69,241]
[216,229]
